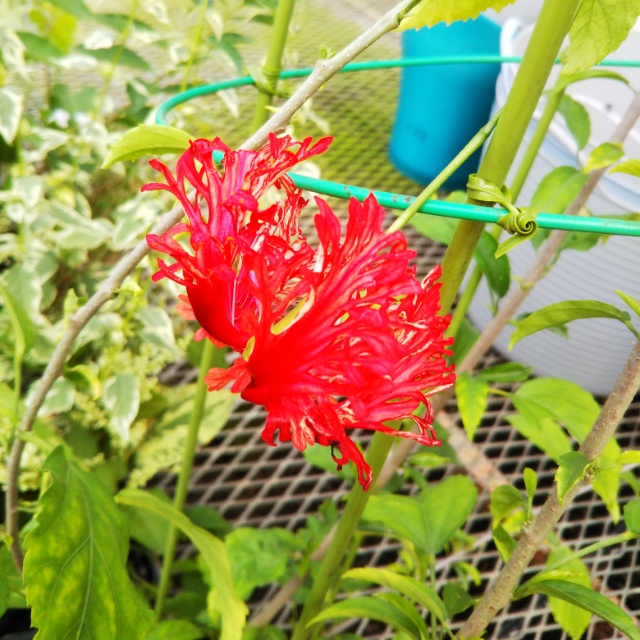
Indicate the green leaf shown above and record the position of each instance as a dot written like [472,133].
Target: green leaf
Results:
[39,49]
[222,599]
[629,457]
[633,304]
[147,140]
[472,393]
[11,585]
[456,598]
[59,399]
[632,516]
[11,106]
[446,506]
[599,28]
[373,608]
[121,397]
[24,333]
[506,372]
[562,313]
[530,484]
[577,120]
[175,630]
[429,519]
[557,190]
[150,529]
[268,633]
[496,270]
[505,544]
[465,338]
[85,379]
[116,55]
[584,598]
[603,155]
[75,564]
[630,167]
[505,499]
[410,587]
[545,433]
[76,8]
[573,466]
[438,229]
[430,12]
[258,557]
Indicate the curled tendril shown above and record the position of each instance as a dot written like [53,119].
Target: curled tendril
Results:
[520,221]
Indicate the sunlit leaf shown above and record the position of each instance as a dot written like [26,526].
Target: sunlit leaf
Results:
[456,598]
[430,12]
[175,630]
[373,608]
[505,499]
[147,140]
[577,120]
[11,106]
[506,372]
[472,393]
[630,167]
[603,155]
[561,313]
[75,564]
[571,470]
[587,599]
[633,304]
[122,397]
[632,516]
[599,28]
[496,270]
[505,544]
[222,599]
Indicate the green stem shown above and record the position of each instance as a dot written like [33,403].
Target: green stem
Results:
[469,149]
[273,64]
[206,362]
[608,542]
[195,45]
[537,62]
[332,562]
[123,40]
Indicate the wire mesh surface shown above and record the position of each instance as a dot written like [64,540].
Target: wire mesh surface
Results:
[252,484]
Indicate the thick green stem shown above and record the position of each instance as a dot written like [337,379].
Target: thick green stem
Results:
[332,562]
[546,39]
[273,63]
[206,362]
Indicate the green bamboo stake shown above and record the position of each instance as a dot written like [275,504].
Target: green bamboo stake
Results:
[206,362]
[273,64]
[551,28]
[528,159]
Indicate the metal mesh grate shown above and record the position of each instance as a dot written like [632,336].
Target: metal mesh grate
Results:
[255,485]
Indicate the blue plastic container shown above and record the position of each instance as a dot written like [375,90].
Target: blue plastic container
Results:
[441,107]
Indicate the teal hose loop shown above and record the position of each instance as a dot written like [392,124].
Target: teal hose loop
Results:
[609,226]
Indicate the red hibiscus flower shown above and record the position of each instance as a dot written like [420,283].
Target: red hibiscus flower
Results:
[333,338]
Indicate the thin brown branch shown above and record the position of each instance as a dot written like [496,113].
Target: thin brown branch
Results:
[499,593]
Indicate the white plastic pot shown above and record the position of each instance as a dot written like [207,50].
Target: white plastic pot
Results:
[596,350]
